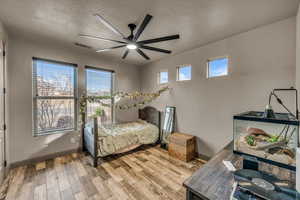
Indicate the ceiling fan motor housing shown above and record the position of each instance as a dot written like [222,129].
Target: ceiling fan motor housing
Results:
[132,28]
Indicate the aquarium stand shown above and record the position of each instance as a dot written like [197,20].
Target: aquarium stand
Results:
[213,181]
[250,163]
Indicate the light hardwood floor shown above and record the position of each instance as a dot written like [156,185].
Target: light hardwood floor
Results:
[146,174]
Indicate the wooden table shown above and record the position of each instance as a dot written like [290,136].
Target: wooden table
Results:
[214,182]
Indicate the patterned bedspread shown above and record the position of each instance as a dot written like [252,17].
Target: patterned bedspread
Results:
[120,136]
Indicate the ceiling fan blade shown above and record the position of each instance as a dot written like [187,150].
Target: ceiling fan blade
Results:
[125,54]
[111,48]
[171,37]
[142,54]
[155,49]
[142,27]
[109,25]
[100,38]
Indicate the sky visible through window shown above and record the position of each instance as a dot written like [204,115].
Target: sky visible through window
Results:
[218,67]
[59,76]
[184,73]
[50,70]
[163,78]
[98,81]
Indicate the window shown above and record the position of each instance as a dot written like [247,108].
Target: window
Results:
[163,77]
[217,67]
[184,73]
[54,96]
[99,82]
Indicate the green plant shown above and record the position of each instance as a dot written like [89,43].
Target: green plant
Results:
[99,112]
[273,138]
[250,140]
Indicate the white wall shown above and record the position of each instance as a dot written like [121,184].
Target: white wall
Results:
[260,60]
[3,33]
[23,145]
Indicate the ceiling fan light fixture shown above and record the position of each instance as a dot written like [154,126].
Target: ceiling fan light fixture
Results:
[131,46]
[132,41]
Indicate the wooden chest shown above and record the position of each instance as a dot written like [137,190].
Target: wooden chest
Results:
[182,146]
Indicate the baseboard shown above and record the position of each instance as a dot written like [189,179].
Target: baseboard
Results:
[43,158]
[204,157]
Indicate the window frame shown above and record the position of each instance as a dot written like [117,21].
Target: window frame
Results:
[35,98]
[182,66]
[159,76]
[216,58]
[112,90]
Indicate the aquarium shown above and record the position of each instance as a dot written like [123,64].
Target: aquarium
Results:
[271,140]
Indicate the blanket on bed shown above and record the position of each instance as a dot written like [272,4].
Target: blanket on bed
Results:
[120,136]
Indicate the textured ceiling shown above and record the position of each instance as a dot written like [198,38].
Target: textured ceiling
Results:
[197,21]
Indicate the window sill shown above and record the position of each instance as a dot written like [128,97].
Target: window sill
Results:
[216,77]
[163,83]
[183,81]
[62,132]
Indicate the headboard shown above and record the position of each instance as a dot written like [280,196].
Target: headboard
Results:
[150,115]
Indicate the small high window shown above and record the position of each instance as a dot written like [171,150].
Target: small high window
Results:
[163,77]
[184,73]
[217,67]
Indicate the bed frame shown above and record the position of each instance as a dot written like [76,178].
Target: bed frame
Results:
[90,133]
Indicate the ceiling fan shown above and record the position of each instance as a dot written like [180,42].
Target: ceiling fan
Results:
[131,42]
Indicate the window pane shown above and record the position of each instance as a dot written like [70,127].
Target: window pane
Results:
[163,78]
[184,73]
[98,82]
[54,79]
[55,114]
[95,108]
[218,67]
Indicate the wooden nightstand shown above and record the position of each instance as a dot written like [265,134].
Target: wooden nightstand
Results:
[182,146]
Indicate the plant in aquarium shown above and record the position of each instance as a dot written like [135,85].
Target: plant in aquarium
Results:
[272,140]
[261,140]
[275,146]
[250,140]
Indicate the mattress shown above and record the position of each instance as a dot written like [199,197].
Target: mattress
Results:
[120,136]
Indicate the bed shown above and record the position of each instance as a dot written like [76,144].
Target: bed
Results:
[103,141]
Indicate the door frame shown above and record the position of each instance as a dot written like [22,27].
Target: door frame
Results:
[4,126]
